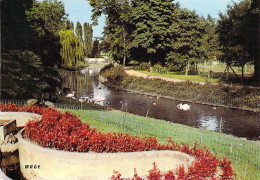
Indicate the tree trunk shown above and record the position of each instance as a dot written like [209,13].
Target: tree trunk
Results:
[257,71]
[242,78]
[227,72]
[187,68]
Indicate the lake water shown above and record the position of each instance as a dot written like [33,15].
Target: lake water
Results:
[237,122]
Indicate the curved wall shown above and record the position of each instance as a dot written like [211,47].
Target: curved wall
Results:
[54,164]
[20,117]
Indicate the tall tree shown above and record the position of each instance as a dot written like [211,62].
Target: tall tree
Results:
[88,35]
[210,42]
[23,28]
[152,36]
[118,26]
[238,34]
[79,32]
[188,30]
[96,49]
[47,18]
[69,25]
[16,32]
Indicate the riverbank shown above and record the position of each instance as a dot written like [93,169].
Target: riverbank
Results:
[244,154]
[171,77]
[216,95]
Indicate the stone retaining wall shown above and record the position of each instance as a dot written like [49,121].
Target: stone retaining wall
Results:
[54,164]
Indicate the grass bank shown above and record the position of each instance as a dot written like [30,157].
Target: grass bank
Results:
[171,75]
[245,155]
[231,96]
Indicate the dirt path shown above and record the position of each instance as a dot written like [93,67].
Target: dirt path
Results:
[132,72]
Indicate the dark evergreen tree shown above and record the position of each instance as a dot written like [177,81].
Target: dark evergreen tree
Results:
[187,43]
[15,29]
[96,49]
[79,32]
[88,35]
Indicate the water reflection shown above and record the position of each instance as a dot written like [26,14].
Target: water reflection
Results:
[236,122]
[209,123]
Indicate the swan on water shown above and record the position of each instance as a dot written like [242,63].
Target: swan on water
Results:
[184,107]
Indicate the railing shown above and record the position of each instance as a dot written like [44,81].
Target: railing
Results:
[224,145]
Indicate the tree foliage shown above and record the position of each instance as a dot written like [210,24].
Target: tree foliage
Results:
[24,76]
[46,19]
[151,35]
[187,44]
[238,29]
[88,35]
[71,51]
[117,32]
[79,32]
[30,45]
[96,49]
[15,29]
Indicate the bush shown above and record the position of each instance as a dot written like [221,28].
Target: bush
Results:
[142,66]
[159,69]
[115,74]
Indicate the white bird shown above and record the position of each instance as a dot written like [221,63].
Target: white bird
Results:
[184,107]
[214,108]
[99,98]
[70,95]
[81,100]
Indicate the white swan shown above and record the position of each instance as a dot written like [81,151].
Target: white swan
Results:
[184,107]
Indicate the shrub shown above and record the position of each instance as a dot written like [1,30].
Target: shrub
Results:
[142,66]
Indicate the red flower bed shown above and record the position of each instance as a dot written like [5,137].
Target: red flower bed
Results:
[65,131]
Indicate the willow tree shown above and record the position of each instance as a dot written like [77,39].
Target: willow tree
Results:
[71,51]
[88,35]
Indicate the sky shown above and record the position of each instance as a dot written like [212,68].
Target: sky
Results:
[80,10]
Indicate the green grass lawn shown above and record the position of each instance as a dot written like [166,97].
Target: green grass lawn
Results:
[182,76]
[244,154]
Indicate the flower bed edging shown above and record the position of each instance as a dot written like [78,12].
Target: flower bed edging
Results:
[57,164]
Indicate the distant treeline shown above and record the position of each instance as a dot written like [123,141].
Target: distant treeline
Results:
[160,31]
